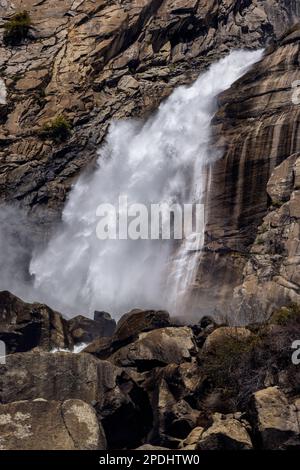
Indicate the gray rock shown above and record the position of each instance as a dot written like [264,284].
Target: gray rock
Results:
[50,425]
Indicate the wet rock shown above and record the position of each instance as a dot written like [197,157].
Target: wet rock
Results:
[256,117]
[226,433]
[275,420]
[271,276]
[85,330]
[50,425]
[25,326]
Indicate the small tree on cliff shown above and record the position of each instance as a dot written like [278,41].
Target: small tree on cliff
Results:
[16,29]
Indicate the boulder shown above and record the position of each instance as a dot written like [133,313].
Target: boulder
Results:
[25,326]
[191,441]
[56,376]
[85,330]
[228,432]
[128,328]
[225,333]
[50,425]
[275,420]
[118,399]
[157,348]
[136,321]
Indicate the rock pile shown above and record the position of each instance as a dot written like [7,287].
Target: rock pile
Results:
[155,384]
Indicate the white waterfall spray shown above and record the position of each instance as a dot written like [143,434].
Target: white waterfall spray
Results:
[160,160]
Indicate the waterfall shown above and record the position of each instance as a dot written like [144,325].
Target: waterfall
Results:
[162,159]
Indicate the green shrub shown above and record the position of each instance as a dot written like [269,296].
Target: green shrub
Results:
[230,360]
[16,29]
[286,315]
[58,129]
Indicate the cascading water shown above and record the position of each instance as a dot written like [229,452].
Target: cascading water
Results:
[160,160]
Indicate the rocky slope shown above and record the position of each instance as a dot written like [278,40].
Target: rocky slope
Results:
[155,384]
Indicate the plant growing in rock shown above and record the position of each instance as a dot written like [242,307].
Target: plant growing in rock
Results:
[286,315]
[58,129]
[16,29]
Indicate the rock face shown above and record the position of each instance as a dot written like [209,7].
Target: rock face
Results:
[50,425]
[26,326]
[257,129]
[94,61]
[271,277]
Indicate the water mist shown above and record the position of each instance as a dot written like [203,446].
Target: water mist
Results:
[160,160]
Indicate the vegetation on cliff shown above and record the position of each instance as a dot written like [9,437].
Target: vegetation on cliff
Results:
[16,29]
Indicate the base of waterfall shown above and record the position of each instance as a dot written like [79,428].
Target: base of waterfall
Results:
[148,382]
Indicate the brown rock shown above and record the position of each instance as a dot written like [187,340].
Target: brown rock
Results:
[85,330]
[276,420]
[226,433]
[225,333]
[157,347]
[128,328]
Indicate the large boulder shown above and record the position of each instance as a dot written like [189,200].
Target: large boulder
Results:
[128,329]
[275,420]
[50,425]
[25,326]
[85,330]
[56,376]
[119,401]
[157,348]
[228,432]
